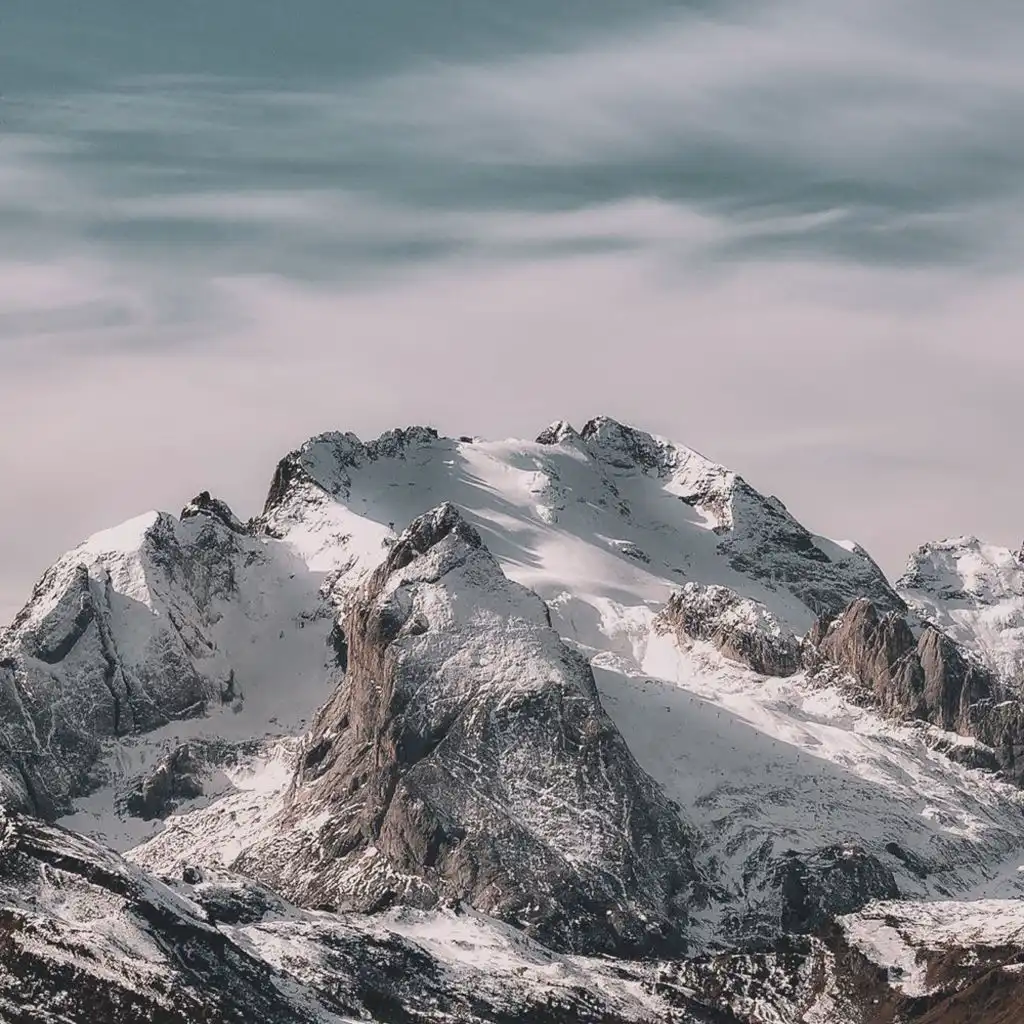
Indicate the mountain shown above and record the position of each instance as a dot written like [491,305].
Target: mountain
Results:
[975,593]
[185,628]
[580,728]
[467,757]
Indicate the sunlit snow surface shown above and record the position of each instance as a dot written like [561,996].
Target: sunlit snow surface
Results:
[975,592]
[760,766]
[900,935]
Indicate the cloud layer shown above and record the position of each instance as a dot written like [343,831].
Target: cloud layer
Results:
[785,233]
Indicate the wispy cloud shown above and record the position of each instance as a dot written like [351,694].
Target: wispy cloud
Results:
[788,233]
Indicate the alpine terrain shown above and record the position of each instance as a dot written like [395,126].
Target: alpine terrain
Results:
[579,729]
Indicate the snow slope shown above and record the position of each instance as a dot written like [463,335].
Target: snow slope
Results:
[975,592]
[772,771]
[222,636]
[609,513]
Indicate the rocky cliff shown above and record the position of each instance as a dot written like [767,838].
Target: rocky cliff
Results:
[466,756]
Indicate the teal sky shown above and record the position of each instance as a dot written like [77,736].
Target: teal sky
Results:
[786,233]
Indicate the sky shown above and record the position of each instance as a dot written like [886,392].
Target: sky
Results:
[788,234]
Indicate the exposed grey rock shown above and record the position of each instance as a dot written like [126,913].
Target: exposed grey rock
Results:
[927,676]
[815,888]
[742,629]
[466,756]
[178,777]
[301,469]
[114,641]
[232,899]
[559,432]
[970,754]
[204,505]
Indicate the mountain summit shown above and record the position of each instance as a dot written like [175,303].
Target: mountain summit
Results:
[580,728]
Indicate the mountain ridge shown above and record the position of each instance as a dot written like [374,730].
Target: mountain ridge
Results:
[735,735]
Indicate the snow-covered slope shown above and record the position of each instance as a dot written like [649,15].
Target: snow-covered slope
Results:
[975,592]
[157,633]
[610,514]
[467,757]
[464,756]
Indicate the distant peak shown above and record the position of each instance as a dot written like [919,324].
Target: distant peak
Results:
[205,505]
[959,568]
[558,432]
[428,531]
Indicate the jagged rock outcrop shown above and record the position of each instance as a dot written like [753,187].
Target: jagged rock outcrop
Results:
[926,676]
[176,778]
[466,756]
[118,638]
[559,432]
[974,592]
[741,629]
[816,887]
[204,505]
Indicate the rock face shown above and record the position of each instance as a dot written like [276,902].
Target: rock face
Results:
[928,676]
[939,963]
[326,457]
[759,538]
[466,756]
[742,629]
[121,636]
[204,505]
[815,888]
[178,777]
[974,592]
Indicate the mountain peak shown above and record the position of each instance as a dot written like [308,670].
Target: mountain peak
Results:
[559,432]
[427,532]
[623,446]
[975,592]
[964,568]
[204,505]
[468,756]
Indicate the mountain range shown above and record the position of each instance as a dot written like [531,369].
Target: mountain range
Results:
[583,728]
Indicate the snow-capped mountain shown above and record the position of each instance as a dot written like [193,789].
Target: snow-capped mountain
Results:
[974,592]
[142,628]
[455,715]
